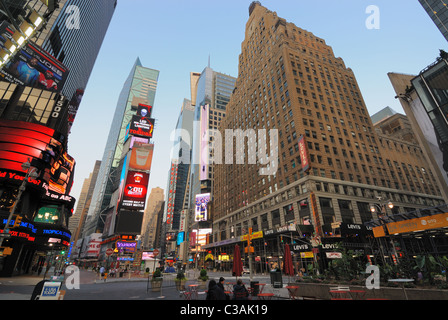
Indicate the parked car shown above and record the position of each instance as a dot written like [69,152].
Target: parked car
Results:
[246,270]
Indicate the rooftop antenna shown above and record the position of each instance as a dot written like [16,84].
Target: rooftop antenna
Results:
[209,60]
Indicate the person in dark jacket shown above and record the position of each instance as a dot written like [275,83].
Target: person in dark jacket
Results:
[214,292]
[221,285]
[239,291]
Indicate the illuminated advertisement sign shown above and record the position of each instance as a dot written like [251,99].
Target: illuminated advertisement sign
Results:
[172,193]
[202,201]
[201,237]
[304,157]
[34,67]
[61,174]
[141,156]
[141,126]
[144,110]
[204,152]
[135,190]
[125,246]
[170,236]
[147,255]
[180,238]
[94,245]
[21,141]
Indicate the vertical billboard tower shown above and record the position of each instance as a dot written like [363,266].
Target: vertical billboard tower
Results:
[126,149]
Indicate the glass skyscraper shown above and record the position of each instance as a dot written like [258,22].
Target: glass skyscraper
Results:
[140,87]
[77,46]
[212,88]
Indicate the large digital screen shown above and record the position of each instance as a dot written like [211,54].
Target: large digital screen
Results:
[129,222]
[144,110]
[141,126]
[135,190]
[141,156]
[201,209]
[204,152]
[34,67]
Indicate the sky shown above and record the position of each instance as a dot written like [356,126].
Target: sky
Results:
[177,37]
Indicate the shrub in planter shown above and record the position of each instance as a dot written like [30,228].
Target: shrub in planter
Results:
[156,281]
[180,281]
[203,277]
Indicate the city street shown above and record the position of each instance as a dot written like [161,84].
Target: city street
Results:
[135,288]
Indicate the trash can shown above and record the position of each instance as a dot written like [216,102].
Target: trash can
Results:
[276,279]
[255,288]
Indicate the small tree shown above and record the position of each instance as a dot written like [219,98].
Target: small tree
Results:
[203,275]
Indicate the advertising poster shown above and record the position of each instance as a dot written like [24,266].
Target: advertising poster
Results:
[304,157]
[34,67]
[135,190]
[141,126]
[201,207]
[141,156]
[204,152]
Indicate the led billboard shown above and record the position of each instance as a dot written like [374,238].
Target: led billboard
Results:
[204,152]
[135,190]
[34,67]
[202,201]
[141,126]
[141,156]
[144,110]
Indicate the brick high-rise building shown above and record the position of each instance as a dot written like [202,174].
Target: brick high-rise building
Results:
[291,81]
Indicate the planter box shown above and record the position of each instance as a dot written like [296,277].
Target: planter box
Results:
[156,285]
[321,291]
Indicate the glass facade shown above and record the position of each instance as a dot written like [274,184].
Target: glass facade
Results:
[432,88]
[438,11]
[215,89]
[140,87]
[77,48]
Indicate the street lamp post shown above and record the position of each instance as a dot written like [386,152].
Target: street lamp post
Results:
[381,207]
[31,172]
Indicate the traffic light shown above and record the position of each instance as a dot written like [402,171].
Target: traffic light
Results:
[17,222]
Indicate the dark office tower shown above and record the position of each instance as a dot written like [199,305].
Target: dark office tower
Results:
[329,164]
[140,87]
[438,12]
[75,44]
